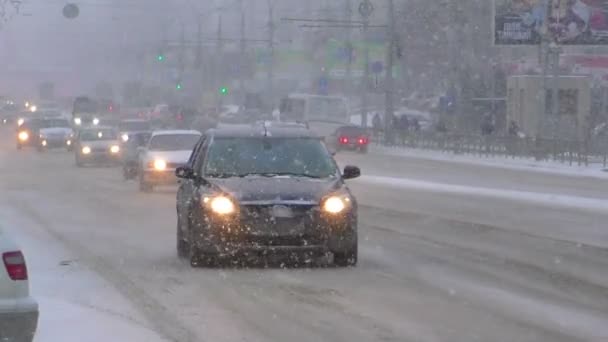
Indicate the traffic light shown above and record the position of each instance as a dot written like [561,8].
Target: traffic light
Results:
[178,86]
[224,90]
[160,57]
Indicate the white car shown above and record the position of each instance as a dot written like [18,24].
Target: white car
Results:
[18,311]
[166,150]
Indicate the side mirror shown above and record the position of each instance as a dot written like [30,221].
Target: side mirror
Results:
[184,172]
[351,172]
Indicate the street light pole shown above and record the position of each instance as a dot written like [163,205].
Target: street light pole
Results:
[271,33]
[242,51]
[365,83]
[389,82]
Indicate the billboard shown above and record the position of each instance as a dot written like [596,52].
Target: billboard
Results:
[568,22]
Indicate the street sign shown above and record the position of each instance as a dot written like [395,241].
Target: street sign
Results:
[377,67]
[366,8]
[71,11]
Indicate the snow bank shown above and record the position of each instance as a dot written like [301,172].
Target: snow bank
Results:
[75,304]
[594,170]
[564,201]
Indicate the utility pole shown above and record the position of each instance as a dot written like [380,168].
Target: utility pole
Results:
[242,57]
[366,8]
[389,82]
[554,51]
[271,33]
[348,16]
[218,72]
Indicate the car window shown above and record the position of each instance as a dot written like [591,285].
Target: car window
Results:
[173,142]
[232,157]
[98,134]
[134,126]
[51,123]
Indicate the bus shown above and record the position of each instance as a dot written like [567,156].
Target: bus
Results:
[323,114]
[85,112]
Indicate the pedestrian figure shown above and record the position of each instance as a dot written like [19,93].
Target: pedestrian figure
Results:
[404,127]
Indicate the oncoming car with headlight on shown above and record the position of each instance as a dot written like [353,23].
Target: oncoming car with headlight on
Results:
[165,151]
[55,133]
[97,145]
[265,193]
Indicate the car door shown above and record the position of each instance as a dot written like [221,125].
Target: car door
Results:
[187,187]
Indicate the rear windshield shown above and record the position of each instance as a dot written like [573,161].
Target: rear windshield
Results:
[174,142]
[352,131]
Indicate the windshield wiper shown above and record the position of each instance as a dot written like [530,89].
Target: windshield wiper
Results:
[222,175]
[277,174]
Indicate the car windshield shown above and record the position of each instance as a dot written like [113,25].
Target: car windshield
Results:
[132,126]
[52,123]
[239,157]
[173,142]
[98,134]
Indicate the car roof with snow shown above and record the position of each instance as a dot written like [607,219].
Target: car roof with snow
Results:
[261,131]
[176,132]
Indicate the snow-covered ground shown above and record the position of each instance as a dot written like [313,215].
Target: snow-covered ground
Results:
[75,304]
[525,164]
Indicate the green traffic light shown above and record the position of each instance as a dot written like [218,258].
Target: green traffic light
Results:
[178,86]
[224,90]
[160,58]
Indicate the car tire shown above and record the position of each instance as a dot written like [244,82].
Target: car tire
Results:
[183,247]
[197,257]
[347,258]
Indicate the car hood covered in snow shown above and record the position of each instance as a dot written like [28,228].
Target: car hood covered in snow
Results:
[178,157]
[65,131]
[277,189]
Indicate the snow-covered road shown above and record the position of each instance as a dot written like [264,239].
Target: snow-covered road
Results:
[460,264]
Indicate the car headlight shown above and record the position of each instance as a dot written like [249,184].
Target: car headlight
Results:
[20,121]
[43,143]
[33,109]
[78,121]
[68,142]
[95,121]
[220,205]
[23,136]
[125,137]
[335,204]
[160,165]
[86,150]
[114,149]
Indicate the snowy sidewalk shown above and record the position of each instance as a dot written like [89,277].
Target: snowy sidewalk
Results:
[75,304]
[594,170]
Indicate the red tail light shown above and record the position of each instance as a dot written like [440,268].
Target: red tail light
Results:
[363,141]
[343,140]
[15,265]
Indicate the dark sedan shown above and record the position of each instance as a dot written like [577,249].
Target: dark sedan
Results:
[261,193]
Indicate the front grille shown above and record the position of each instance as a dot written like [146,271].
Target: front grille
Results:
[259,227]
[99,150]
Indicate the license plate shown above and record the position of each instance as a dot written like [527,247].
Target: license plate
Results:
[281,211]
